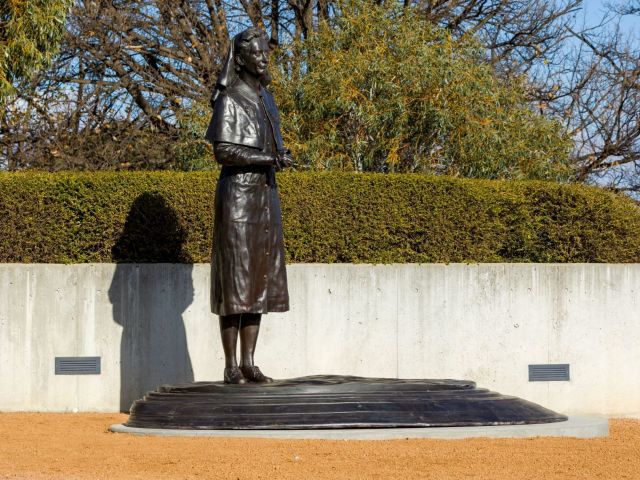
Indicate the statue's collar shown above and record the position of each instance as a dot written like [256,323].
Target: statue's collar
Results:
[247,92]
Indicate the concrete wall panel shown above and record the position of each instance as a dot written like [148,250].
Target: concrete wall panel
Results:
[151,324]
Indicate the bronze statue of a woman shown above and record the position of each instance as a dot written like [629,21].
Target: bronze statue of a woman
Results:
[248,276]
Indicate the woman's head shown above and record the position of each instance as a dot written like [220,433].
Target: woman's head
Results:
[251,48]
[239,56]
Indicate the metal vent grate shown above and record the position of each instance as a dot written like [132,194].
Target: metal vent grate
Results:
[549,373]
[77,365]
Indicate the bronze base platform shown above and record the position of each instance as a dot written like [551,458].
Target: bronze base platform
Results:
[332,402]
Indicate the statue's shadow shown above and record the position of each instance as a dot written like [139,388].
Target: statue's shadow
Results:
[149,298]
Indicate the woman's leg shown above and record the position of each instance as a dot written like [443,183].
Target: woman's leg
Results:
[229,325]
[249,330]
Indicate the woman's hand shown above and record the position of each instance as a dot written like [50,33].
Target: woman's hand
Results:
[284,159]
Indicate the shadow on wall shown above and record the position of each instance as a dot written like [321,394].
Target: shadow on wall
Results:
[149,300]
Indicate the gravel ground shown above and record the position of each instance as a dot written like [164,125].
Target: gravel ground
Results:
[43,446]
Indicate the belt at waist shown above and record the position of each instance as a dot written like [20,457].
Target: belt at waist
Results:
[267,171]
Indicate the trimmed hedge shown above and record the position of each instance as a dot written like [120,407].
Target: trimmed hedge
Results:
[328,217]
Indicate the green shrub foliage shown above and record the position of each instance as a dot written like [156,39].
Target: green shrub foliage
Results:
[380,88]
[328,217]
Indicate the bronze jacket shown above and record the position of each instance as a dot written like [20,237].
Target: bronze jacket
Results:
[247,267]
[239,120]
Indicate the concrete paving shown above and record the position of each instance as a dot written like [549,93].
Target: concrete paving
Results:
[577,426]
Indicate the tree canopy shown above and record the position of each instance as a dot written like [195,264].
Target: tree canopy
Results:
[30,32]
[130,79]
[381,88]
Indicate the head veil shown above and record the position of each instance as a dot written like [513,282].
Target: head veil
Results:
[229,72]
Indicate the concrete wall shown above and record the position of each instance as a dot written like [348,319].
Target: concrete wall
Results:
[151,324]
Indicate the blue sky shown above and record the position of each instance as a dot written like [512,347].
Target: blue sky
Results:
[593,11]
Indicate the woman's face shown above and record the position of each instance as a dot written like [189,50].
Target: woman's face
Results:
[254,58]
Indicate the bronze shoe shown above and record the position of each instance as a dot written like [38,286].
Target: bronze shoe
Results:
[234,376]
[254,375]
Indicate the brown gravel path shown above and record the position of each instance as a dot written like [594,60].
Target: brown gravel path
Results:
[78,446]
